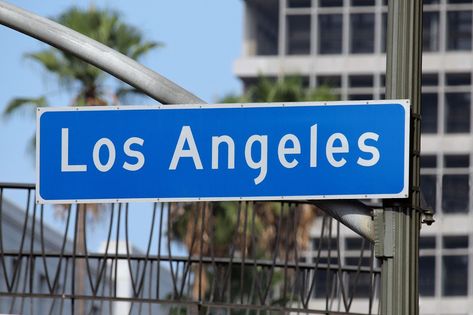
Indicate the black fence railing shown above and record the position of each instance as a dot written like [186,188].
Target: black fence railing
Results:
[231,257]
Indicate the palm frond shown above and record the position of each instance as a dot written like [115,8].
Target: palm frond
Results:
[232,98]
[125,91]
[260,91]
[107,27]
[126,94]
[321,93]
[50,60]
[142,49]
[31,147]
[16,105]
[289,89]
[57,64]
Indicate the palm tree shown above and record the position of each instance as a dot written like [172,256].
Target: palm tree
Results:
[288,89]
[226,232]
[85,83]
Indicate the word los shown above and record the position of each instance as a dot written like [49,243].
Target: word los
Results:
[289,147]
[66,167]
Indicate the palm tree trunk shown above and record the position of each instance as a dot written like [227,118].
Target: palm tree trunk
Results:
[199,287]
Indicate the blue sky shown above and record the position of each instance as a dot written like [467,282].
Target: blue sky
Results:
[201,41]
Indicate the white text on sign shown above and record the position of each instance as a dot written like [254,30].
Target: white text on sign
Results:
[289,147]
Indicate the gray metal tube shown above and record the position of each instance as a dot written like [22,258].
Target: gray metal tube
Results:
[399,292]
[93,52]
[352,213]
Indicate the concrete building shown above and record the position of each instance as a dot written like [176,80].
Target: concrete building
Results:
[342,44]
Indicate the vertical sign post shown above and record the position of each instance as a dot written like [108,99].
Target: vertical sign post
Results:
[397,239]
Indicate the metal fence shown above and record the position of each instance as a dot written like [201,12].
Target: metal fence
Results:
[235,257]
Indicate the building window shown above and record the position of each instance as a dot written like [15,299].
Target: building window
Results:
[324,244]
[430,79]
[267,40]
[356,243]
[382,80]
[298,30]
[457,102]
[360,283]
[459,30]
[361,33]
[333,81]
[459,1]
[384,30]
[356,81]
[362,3]
[427,265]
[457,112]
[455,197]
[429,112]
[455,184]
[431,31]
[457,161]
[360,87]
[455,242]
[429,189]
[330,3]
[428,179]
[430,103]
[360,97]
[428,161]
[262,25]
[299,3]
[324,278]
[455,266]
[427,275]
[330,33]
[458,79]
[427,242]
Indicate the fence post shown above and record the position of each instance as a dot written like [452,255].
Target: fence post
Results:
[397,227]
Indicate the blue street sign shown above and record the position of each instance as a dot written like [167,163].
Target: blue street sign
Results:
[223,152]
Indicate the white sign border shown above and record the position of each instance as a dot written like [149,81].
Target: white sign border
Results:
[404,193]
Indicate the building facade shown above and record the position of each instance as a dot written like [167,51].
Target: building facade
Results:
[342,44]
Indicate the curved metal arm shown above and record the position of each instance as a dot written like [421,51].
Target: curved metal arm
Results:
[93,52]
[352,213]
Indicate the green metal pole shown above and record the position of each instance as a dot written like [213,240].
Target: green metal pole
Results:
[397,232]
